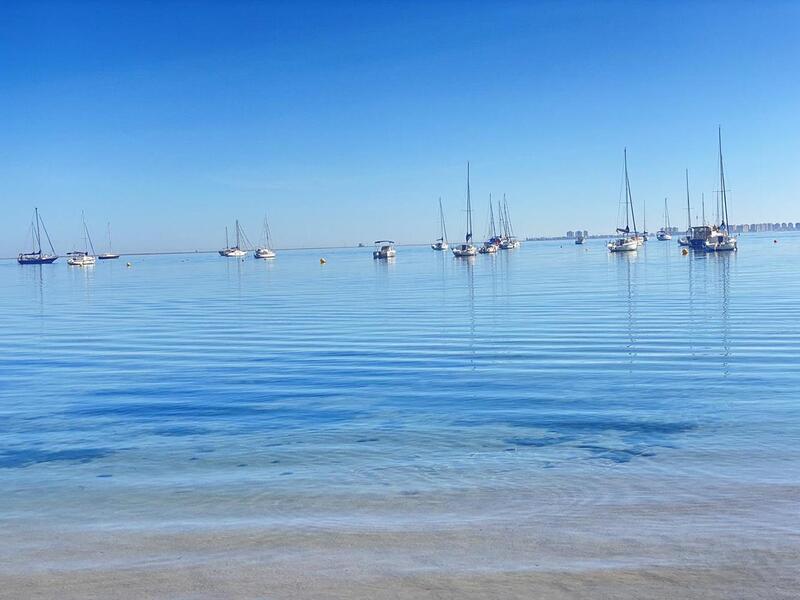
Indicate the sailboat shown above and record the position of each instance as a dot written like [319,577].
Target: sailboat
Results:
[492,242]
[233,251]
[266,250]
[82,258]
[37,257]
[110,254]
[509,240]
[441,241]
[684,241]
[467,249]
[626,242]
[663,234]
[721,240]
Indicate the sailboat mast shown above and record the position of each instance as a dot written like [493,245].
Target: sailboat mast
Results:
[628,195]
[688,205]
[469,209]
[108,225]
[442,225]
[227,244]
[492,228]
[38,233]
[724,196]
[237,234]
[703,206]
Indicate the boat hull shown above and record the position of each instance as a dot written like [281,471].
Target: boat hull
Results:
[107,256]
[264,253]
[36,260]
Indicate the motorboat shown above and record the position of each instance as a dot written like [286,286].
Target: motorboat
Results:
[384,249]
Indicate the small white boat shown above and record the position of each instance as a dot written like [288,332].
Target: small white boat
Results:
[467,249]
[721,243]
[79,258]
[384,249]
[464,250]
[265,251]
[628,241]
[441,242]
[623,244]
[663,234]
[234,251]
[507,241]
[110,255]
[488,248]
[720,238]
[82,258]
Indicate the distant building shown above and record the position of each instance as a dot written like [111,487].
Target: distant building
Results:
[585,233]
[570,234]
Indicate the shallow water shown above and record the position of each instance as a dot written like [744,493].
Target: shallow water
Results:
[538,385]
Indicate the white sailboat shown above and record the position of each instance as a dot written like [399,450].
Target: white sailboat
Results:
[233,251]
[266,251]
[664,234]
[508,241]
[82,258]
[467,249]
[441,241]
[723,241]
[110,254]
[492,243]
[627,242]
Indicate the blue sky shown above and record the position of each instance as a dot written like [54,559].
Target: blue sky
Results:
[346,121]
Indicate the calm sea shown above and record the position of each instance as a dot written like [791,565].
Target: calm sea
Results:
[192,390]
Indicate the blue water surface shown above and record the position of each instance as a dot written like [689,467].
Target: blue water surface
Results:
[191,387]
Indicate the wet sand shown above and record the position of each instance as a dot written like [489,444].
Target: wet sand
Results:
[588,559]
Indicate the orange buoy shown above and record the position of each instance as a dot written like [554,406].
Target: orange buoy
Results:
[684,251]
[322,261]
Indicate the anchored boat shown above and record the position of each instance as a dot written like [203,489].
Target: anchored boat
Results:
[663,234]
[627,242]
[82,258]
[384,249]
[36,256]
[266,251]
[441,241]
[233,251]
[110,254]
[467,249]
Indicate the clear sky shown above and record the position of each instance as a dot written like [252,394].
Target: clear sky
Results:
[345,121]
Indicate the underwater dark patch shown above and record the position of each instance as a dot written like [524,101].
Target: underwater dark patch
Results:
[19,459]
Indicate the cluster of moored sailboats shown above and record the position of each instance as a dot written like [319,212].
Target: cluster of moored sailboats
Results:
[243,244]
[702,238]
[500,235]
[76,258]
